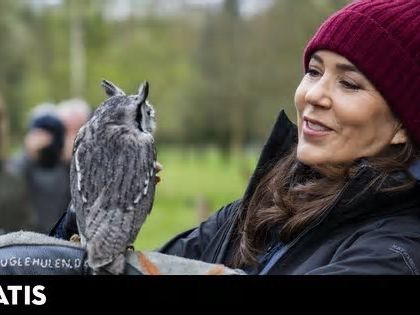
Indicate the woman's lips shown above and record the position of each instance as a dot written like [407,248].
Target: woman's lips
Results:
[315,128]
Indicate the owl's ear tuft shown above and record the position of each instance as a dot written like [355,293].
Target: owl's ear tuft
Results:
[143,91]
[111,89]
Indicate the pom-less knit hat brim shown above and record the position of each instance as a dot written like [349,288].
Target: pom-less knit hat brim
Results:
[382,39]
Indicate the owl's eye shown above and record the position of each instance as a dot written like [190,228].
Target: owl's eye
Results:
[148,112]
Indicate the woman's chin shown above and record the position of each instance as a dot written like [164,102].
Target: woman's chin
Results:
[311,156]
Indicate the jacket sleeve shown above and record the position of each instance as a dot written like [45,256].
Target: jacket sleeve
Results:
[378,252]
[192,243]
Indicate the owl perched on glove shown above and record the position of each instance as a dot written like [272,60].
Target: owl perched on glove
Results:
[113,176]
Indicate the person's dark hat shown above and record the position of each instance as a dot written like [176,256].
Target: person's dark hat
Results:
[50,155]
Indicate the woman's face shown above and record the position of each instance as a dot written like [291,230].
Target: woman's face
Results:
[340,115]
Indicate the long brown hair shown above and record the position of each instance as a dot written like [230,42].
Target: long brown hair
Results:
[291,196]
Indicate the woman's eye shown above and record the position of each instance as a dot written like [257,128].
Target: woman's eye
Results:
[349,85]
[313,72]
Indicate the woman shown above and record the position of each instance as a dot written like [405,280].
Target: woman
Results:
[334,194]
[342,200]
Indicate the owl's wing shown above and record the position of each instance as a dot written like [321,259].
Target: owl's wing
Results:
[75,173]
[79,137]
[145,167]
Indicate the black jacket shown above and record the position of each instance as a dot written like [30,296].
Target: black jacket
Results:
[375,233]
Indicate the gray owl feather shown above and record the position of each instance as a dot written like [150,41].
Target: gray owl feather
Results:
[113,176]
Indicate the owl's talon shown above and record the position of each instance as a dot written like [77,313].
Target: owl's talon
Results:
[75,238]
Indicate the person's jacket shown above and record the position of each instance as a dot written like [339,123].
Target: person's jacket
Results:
[16,212]
[365,231]
[48,188]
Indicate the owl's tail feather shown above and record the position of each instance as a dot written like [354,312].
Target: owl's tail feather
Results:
[115,267]
[104,262]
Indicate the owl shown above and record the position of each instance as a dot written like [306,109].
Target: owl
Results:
[112,176]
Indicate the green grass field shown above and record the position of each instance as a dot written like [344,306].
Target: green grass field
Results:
[190,176]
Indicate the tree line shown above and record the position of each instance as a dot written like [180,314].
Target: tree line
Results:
[216,76]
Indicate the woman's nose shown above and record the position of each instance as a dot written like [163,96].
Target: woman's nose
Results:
[319,94]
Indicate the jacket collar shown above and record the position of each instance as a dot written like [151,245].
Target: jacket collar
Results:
[282,137]
[361,200]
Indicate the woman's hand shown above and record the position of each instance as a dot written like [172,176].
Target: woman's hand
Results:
[158,168]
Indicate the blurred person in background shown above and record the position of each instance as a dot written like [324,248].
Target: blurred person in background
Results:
[73,113]
[16,212]
[40,164]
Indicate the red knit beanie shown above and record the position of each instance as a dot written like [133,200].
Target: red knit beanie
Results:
[382,39]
